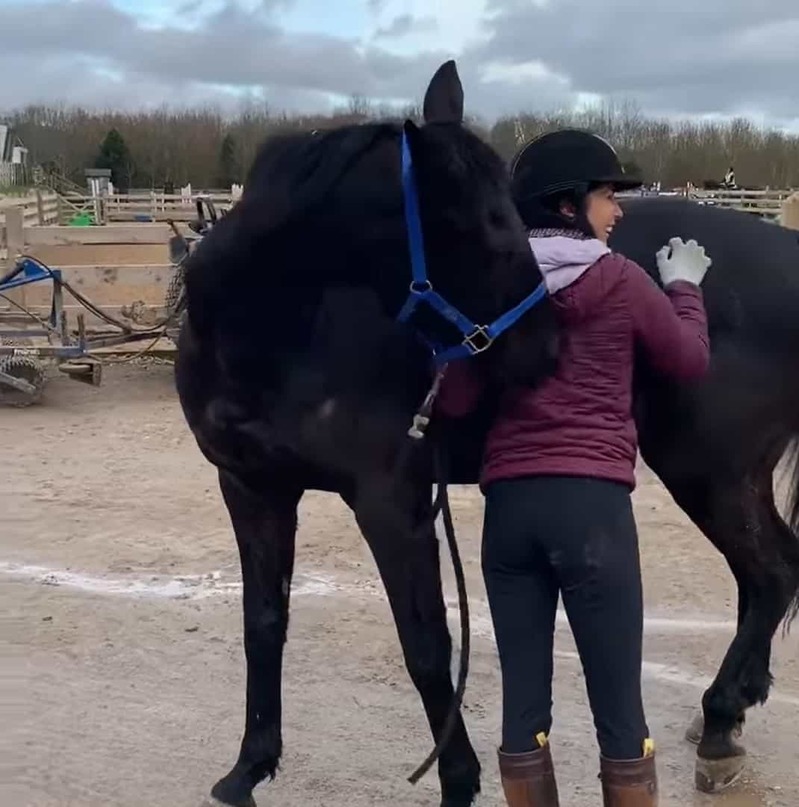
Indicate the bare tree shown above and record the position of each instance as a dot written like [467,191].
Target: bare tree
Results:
[180,146]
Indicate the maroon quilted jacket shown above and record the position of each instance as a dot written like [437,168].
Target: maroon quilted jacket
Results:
[579,421]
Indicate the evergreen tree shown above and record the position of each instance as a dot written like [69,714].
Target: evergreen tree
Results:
[228,164]
[114,154]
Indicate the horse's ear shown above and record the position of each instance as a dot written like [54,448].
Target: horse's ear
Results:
[443,101]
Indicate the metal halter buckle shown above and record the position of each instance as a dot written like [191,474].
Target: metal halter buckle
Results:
[478,340]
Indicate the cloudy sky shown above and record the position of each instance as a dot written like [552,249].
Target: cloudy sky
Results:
[675,58]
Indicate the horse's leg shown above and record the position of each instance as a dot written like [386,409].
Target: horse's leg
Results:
[265,520]
[756,547]
[697,726]
[395,518]
[737,513]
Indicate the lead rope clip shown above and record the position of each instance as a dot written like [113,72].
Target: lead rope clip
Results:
[421,420]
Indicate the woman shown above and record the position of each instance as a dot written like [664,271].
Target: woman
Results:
[559,464]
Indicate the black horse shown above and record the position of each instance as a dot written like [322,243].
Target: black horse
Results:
[295,372]
[715,445]
[309,382]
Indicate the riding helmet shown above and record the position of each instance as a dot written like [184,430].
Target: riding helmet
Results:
[565,160]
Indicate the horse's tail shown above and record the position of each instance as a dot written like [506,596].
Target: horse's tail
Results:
[793,524]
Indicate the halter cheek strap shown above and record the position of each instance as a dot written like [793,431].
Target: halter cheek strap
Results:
[476,338]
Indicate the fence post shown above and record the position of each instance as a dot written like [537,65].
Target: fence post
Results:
[39,207]
[15,231]
[790,212]
[15,240]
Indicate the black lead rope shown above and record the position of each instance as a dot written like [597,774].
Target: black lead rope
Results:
[441,504]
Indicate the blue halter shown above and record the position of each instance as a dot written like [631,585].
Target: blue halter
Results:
[476,338]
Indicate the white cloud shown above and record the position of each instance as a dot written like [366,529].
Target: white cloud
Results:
[715,58]
[720,57]
[457,24]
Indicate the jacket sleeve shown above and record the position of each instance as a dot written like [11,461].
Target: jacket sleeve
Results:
[671,326]
[460,390]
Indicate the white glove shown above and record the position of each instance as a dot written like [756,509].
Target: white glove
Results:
[680,261]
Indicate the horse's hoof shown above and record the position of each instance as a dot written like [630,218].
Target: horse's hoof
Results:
[210,801]
[694,731]
[461,797]
[467,801]
[715,775]
[230,792]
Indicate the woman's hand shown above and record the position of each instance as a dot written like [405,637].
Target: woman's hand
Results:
[680,261]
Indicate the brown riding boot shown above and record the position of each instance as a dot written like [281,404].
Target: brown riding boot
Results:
[629,782]
[528,779]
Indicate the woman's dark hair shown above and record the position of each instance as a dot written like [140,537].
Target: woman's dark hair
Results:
[543,212]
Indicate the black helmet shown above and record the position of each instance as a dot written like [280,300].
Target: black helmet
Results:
[564,160]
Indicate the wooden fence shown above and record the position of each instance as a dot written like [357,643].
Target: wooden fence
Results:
[766,203]
[156,206]
[13,174]
[47,208]
[38,208]
[123,268]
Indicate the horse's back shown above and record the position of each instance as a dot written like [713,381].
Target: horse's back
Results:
[738,242]
[752,288]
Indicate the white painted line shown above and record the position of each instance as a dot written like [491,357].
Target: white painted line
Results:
[481,625]
[180,587]
[211,584]
[658,624]
[204,586]
[156,587]
[669,674]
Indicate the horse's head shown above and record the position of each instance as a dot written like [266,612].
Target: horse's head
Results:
[476,247]
[323,210]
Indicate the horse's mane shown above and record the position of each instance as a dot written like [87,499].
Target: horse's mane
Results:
[294,171]
[292,174]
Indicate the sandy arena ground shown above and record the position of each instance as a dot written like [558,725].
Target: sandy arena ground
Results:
[122,667]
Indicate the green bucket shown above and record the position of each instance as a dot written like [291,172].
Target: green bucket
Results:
[82,220]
